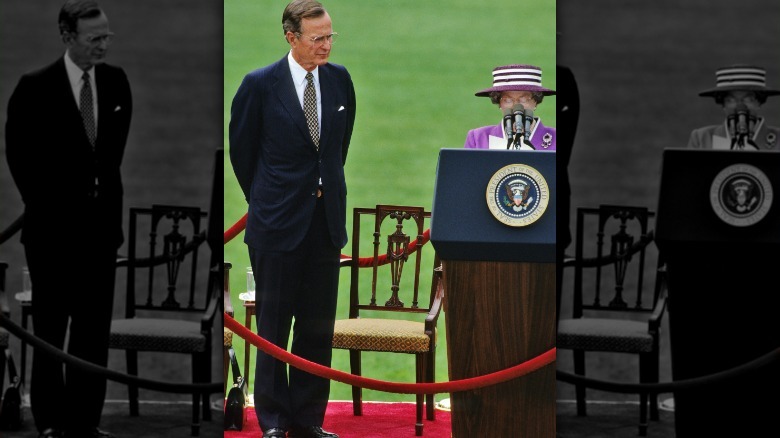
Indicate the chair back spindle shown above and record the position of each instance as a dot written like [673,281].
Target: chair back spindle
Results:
[396,256]
[621,238]
[169,248]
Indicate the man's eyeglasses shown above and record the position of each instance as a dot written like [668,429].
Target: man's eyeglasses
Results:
[96,40]
[318,40]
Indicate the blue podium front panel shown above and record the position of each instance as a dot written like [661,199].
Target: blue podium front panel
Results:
[494,205]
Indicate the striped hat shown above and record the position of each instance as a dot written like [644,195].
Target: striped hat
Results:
[517,77]
[740,77]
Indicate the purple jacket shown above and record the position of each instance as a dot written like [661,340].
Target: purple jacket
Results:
[765,137]
[542,137]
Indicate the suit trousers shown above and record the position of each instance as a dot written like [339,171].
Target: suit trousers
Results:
[300,286]
[74,294]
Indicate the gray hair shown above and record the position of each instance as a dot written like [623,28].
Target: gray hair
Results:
[297,10]
[73,11]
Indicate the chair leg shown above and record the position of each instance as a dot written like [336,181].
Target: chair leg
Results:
[195,397]
[419,360]
[131,357]
[654,375]
[643,415]
[579,369]
[205,377]
[645,376]
[357,392]
[430,377]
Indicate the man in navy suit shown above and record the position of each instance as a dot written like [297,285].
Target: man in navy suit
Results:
[66,132]
[288,146]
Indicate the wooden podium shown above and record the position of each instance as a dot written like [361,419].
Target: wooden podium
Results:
[718,228]
[499,279]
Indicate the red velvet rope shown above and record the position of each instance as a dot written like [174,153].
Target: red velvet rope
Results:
[239,226]
[470,383]
[235,229]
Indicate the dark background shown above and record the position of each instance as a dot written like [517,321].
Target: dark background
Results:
[172,54]
[640,66]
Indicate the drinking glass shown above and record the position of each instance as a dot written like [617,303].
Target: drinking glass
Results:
[250,280]
[26,283]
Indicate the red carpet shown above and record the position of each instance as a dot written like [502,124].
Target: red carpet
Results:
[379,420]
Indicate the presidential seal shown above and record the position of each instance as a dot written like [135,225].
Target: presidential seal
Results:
[741,195]
[517,195]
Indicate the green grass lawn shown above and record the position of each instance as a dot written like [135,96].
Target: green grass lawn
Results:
[416,66]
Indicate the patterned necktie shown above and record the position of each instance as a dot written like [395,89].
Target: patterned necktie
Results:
[87,112]
[310,109]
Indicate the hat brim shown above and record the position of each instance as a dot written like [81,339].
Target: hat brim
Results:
[723,90]
[531,88]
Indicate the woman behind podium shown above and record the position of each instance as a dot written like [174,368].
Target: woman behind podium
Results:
[740,90]
[517,90]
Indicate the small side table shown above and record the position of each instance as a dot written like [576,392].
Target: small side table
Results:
[25,302]
[249,309]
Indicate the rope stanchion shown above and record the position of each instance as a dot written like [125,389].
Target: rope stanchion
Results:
[162,258]
[240,226]
[677,385]
[471,383]
[59,355]
[382,259]
[491,379]
[12,229]
[235,229]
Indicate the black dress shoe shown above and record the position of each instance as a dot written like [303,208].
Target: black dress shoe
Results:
[51,433]
[310,432]
[275,432]
[89,433]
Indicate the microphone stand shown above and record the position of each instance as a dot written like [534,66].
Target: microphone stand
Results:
[528,121]
[519,113]
[508,126]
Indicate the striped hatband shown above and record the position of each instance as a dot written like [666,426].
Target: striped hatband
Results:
[740,77]
[517,77]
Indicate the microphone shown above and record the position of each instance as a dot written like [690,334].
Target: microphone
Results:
[508,126]
[745,126]
[518,111]
[731,123]
[742,113]
[528,119]
[508,122]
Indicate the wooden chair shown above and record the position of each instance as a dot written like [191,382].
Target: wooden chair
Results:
[611,311]
[412,328]
[165,309]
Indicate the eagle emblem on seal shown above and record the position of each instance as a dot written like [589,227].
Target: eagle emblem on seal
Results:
[741,196]
[518,192]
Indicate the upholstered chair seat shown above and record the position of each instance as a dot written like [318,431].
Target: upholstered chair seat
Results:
[155,334]
[372,334]
[599,334]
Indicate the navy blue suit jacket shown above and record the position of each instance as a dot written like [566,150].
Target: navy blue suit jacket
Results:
[52,161]
[276,162]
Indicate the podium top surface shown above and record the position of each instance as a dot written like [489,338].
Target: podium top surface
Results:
[719,196]
[475,218]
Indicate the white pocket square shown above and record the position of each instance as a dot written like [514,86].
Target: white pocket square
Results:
[341,108]
[117,108]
